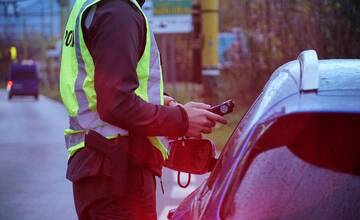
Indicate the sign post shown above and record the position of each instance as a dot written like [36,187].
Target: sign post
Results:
[196,43]
[210,29]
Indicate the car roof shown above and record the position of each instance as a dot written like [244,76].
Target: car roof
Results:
[339,82]
[22,67]
[339,75]
[17,70]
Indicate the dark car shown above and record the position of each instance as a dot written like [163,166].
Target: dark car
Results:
[23,80]
[296,152]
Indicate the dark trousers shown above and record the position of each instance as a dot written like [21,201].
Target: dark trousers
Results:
[94,199]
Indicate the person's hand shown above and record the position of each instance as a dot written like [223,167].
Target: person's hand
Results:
[169,101]
[200,119]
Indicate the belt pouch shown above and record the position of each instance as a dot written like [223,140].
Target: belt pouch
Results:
[116,162]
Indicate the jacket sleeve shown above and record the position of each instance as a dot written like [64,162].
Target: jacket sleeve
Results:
[116,39]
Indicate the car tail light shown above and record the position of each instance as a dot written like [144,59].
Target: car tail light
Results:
[9,85]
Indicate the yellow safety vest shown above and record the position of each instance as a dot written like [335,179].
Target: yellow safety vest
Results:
[77,82]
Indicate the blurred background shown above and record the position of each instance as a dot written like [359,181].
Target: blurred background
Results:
[212,50]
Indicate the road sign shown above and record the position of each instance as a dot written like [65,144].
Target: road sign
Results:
[169,16]
[172,7]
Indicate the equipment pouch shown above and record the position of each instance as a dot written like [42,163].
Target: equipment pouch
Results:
[115,158]
[194,156]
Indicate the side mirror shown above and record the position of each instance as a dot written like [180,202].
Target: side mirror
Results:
[193,156]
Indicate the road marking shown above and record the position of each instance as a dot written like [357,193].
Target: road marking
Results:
[178,192]
[164,213]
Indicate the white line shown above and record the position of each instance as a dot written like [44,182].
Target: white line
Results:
[164,213]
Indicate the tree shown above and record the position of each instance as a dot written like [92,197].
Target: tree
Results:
[279,30]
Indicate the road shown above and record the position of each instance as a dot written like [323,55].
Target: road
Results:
[33,164]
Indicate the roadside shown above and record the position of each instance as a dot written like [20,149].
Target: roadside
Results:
[51,92]
[33,160]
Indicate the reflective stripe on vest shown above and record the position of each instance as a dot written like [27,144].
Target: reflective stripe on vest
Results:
[77,83]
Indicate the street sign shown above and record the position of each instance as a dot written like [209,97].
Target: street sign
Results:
[172,7]
[169,16]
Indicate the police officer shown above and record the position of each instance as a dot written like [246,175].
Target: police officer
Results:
[112,87]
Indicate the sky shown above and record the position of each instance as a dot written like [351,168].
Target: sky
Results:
[42,16]
[33,16]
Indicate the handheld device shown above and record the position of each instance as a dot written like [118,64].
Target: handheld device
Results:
[223,108]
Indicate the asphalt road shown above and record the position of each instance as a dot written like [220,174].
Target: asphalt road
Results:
[33,164]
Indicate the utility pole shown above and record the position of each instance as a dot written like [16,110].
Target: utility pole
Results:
[25,40]
[210,30]
[52,20]
[65,8]
[196,42]
[42,21]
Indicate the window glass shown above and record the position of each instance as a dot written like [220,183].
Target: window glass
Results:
[279,185]
[315,174]
[23,73]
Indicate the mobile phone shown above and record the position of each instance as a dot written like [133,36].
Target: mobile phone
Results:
[223,108]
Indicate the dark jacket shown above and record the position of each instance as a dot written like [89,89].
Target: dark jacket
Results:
[116,40]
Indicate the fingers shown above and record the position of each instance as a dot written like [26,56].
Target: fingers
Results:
[210,115]
[200,119]
[198,133]
[209,123]
[198,105]
[206,130]
[216,117]
[169,101]
[172,103]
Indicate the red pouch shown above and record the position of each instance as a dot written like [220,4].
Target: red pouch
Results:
[192,156]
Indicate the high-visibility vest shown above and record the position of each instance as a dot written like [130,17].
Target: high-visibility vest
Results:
[77,82]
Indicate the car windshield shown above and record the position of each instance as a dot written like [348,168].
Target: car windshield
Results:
[303,167]
[23,73]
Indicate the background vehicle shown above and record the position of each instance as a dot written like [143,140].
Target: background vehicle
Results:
[295,154]
[23,80]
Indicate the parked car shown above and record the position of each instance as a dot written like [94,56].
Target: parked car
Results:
[23,80]
[296,152]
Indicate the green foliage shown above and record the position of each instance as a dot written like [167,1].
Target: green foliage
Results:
[278,30]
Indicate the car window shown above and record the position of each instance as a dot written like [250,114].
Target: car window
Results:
[23,73]
[279,185]
[313,174]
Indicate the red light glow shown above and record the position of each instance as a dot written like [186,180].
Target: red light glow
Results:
[9,85]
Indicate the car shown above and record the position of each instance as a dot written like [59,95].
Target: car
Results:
[295,154]
[23,80]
